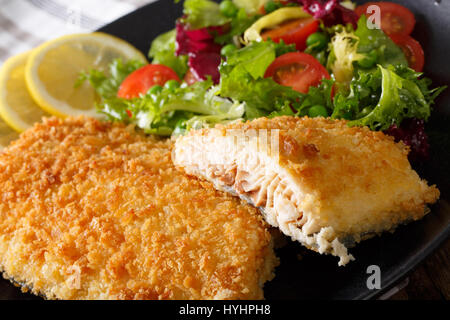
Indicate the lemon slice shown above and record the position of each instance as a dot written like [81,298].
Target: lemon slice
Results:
[54,67]
[17,107]
[6,135]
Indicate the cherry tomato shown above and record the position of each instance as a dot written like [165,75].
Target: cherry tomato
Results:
[296,31]
[297,70]
[395,19]
[413,51]
[140,81]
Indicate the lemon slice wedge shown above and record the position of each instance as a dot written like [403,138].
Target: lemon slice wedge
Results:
[17,107]
[54,67]
[6,135]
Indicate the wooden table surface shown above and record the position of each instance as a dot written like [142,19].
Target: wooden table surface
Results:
[431,280]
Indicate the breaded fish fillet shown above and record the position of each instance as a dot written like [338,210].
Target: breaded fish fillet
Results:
[92,210]
[321,182]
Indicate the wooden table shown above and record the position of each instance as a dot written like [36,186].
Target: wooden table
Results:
[431,280]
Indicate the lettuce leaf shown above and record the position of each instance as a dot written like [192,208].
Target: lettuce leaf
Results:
[174,110]
[255,59]
[162,51]
[344,47]
[331,12]
[238,24]
[107,84]
[262,97]
[202,14]
[242,79]
[348,47]
[251,6]
[385,97]
[321,95]
[163,113]
[388,52]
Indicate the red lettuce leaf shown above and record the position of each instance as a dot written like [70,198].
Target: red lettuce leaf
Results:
[203,52]
[204,64]
[412,133]
[195,41]
[331,12]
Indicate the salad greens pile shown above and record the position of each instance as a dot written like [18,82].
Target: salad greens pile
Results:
[385,97]
[163,51]
[370,82]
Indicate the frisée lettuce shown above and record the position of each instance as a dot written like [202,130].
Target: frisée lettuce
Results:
[385,97]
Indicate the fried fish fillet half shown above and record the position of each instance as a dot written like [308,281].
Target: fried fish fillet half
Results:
[321,182]
[93,210]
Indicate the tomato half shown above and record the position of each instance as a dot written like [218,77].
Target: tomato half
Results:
[412,49]
[140,81]
[297,70]
[395,19]
[296,31]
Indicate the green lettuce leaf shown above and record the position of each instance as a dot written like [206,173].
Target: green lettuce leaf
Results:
[254,59]
[238,24]
[251,6]
[176,110]
[202,14]
[242,79]
[321,95]
[388,53]
[162,51]
[386,96]
[107,84]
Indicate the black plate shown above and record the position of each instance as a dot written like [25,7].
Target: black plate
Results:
[318,277]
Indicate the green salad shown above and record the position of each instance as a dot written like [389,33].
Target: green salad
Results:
[241,60]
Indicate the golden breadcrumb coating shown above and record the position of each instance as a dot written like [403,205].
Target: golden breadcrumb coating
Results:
[93,210]
[330,181]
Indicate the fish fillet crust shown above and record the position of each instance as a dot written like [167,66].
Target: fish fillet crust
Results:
[93,210]
[321,182]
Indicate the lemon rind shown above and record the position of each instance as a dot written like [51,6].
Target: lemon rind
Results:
[11,118]
[38,91]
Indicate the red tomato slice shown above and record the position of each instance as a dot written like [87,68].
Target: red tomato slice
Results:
[140,81]
[296,31]
[297,70]
[412,49]
[395,19]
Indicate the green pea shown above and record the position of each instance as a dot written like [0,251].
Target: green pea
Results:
[271,6]
[228,49]
[155,90]
[318,40]
[317,111]
[369,61]
[228,9]
[172,85]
